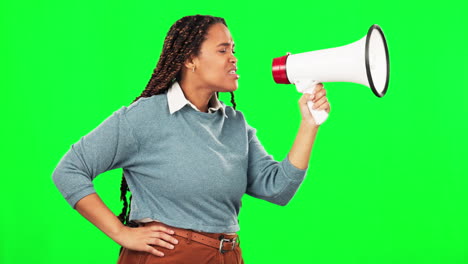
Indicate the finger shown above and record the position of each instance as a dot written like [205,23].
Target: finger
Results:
[164,236]
[154,251]
[318,87]
[320,94]
[159,242]
[325,106]
[305,97]
[319,103]
[163,229]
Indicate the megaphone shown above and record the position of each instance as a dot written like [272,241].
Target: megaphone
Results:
[364,61]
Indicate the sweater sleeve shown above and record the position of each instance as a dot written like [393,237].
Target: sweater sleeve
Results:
[267,179]
[109,146]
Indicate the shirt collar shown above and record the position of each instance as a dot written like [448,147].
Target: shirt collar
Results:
[176,100]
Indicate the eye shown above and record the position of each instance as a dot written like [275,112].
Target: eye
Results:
[223,51]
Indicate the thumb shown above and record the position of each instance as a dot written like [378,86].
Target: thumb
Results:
[306,97]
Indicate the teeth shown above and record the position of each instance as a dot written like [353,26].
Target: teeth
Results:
[232,72]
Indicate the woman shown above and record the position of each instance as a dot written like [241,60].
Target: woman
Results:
[187,157]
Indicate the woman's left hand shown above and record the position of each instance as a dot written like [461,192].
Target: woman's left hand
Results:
[320,103]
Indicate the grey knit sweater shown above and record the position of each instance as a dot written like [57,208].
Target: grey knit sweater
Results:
[188,169]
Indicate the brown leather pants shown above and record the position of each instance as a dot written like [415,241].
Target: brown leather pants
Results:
[187,251]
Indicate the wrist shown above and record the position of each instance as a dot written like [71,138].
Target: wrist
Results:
[117,234]
[309,125]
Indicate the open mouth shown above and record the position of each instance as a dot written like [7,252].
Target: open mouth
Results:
[233,74]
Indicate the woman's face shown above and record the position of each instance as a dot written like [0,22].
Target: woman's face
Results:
[215,66]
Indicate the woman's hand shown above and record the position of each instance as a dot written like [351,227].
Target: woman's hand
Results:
[320,103]
[141,238]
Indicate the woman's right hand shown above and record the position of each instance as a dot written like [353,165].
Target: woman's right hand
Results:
[141,238]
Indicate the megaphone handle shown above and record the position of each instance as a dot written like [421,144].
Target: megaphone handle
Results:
[319,115]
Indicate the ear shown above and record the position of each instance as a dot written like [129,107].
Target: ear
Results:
[191,62]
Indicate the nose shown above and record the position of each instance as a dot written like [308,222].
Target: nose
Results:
[233,59]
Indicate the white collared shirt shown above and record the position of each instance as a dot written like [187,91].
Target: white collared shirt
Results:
[176,100]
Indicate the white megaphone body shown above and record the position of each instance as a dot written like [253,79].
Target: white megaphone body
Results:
[365,62]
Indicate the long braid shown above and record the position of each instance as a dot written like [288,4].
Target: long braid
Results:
[232,100]
[182,41]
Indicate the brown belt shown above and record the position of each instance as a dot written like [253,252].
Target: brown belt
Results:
[222,244]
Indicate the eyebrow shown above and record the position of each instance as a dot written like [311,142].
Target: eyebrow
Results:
[226,44]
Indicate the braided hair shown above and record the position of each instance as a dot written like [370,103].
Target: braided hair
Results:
[183,40]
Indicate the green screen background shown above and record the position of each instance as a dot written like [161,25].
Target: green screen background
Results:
[387,176]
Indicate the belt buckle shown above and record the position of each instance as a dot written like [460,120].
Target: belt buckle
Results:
[234,242]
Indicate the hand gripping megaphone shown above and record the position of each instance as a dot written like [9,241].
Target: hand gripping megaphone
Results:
[364,61]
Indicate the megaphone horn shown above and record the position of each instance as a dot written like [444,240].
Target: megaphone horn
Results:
[365,61]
